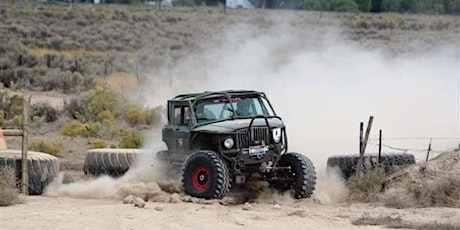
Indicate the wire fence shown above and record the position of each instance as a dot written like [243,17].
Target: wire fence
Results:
[435,145]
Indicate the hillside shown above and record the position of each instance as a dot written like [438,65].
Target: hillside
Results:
[98,76]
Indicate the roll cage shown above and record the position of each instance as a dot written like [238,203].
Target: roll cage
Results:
[191,101]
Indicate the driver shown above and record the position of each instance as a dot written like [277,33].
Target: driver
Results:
[242,108]
[203,114]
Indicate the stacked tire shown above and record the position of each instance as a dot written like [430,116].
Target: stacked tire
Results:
[113,162]
[42,168]
[347,164]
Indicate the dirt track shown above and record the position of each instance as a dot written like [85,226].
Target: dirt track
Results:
[41,212]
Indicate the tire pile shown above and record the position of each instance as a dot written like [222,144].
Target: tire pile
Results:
[113,162]
[347,164]
[42,168]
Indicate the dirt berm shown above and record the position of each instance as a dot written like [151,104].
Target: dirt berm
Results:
[435,183]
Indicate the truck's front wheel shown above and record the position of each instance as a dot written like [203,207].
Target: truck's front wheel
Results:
[206,175]
[301,178]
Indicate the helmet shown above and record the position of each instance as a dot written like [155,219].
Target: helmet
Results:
[242,108]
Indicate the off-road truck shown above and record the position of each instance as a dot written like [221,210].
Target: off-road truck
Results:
[227,138]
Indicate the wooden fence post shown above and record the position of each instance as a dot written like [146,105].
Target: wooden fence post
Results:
[429,150]
[366,137]
[380,145]
[361,131]
[25,124]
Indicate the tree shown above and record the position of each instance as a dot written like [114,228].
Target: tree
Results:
[313,4]
[377,6]
[344,5]
[364,5]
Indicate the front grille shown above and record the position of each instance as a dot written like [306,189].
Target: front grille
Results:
[258,135]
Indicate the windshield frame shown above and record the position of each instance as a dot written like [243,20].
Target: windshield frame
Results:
[260,97]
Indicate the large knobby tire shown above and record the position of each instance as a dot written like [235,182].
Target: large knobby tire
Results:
[42,168]
[347,164]
[301,178]
[206,175]
[113,162]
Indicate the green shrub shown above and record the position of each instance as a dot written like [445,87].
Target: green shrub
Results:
[98,143]
[135,116]
[74,107]
[94,103]
[132,139]
[105,117]
[9,194]
[2,117]
[45,111]
[93,129]
[11,105]
[366,186]
[45,146]
[75,128]
[16,121]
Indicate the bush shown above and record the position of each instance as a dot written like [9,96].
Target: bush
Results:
[94,103]
[16,121]
[135,116]
[11,105]
[9,194]
[75,128]
[44,146]
[2,117]
[366,186]
[45,111]
[98,143]
[132,139]
[105,117]
[74,107]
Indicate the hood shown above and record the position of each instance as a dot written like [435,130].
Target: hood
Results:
[228,126]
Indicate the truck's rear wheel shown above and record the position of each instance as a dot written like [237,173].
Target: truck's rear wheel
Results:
[301,178]
[206,175]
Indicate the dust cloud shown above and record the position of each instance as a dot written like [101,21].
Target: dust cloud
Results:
[322,85]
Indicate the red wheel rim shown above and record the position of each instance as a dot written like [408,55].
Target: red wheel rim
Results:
[200,178]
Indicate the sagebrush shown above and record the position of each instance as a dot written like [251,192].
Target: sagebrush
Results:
[9,194]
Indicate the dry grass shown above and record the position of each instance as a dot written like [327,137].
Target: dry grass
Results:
[397,223]
[441,192]
[9,194]
[399,198]
[432,184]
[71,165]
[366,187]
[54,148]
[41,52]
[118,81]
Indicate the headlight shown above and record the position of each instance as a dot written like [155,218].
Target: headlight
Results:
[276,133]
[228,143]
